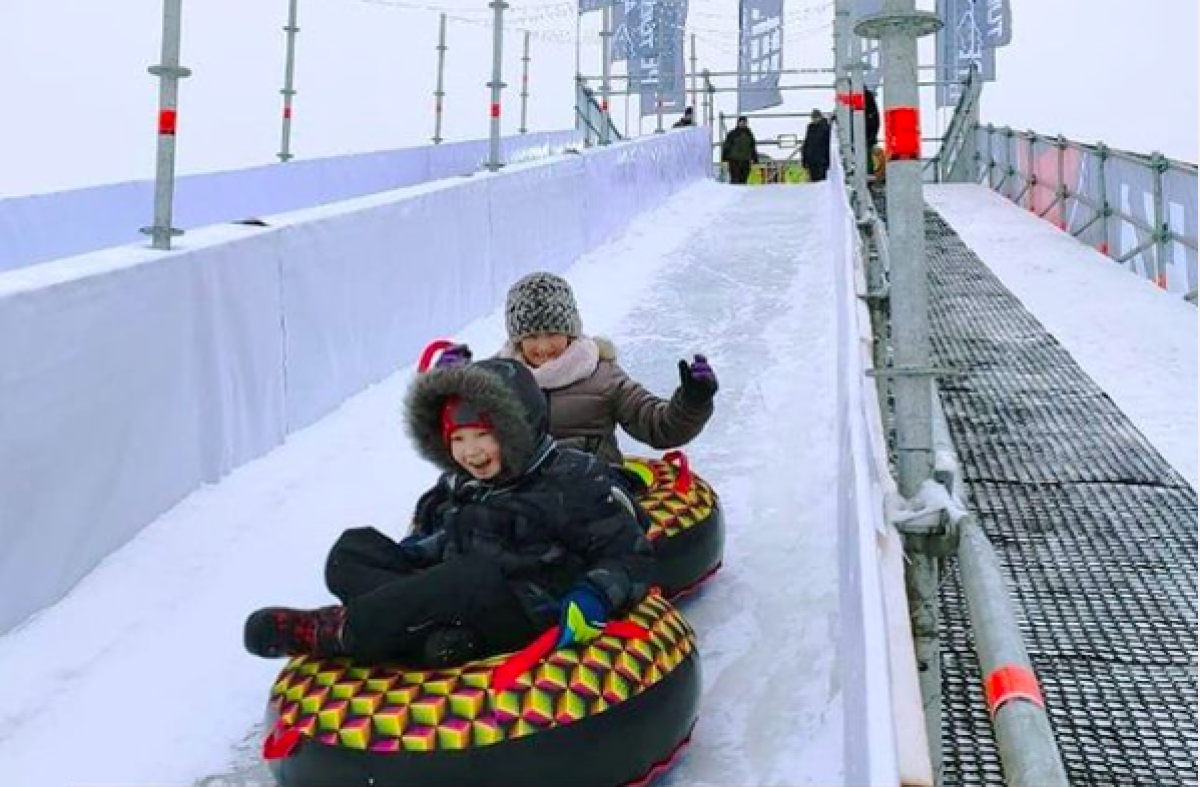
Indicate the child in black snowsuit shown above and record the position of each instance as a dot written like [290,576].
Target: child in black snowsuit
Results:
[517,535]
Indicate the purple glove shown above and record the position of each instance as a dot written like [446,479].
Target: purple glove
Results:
[454,355]
[697,379]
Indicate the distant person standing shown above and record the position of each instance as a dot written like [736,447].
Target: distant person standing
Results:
[815,155]
[740,151]
[688,119]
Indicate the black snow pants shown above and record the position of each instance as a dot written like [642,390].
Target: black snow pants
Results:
[739,172]
[391,606]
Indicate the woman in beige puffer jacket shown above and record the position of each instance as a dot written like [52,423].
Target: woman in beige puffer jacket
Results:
[589,393]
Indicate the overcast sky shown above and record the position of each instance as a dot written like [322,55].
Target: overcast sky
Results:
[80,107]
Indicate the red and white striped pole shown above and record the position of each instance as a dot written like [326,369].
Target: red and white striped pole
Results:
[169,72]
[497,84]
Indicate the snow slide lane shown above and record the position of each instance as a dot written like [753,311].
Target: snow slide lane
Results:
[140,670]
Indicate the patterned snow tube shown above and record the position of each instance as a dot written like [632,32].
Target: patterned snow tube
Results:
[687,530]
[614,712]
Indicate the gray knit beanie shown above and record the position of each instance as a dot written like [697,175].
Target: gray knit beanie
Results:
[541,303]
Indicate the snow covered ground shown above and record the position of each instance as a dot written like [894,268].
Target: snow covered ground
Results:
[1136,341]
[138,677]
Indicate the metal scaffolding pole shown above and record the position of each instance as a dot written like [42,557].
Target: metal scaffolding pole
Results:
[708,100]
[525,87]
[1162,228]
[898,26]
[497,83]
[1023,732]
[439,94]
[169,72]
[695,92]
[858,115]
[606,70]
[289,84]
[841,32]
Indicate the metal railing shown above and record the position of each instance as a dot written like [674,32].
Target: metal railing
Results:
[590,118]
[1138,209]
[956,158]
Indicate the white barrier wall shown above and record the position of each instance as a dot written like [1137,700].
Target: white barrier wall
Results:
[129,377]
[45,227]
[884,733]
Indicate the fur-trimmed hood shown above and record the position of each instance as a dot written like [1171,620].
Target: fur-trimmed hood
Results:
[503,389]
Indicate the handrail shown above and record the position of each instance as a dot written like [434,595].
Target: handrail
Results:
[1156,240]
[591,116]
[956,155]
[1019,720]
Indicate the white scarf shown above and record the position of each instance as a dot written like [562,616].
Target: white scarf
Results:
[578,362]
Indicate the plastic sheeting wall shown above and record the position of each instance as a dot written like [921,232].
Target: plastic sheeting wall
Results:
[129,377]
[884,728]
[47,227]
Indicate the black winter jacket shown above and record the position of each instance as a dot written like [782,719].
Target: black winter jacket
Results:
[559,519]
[816,145]
[740,145]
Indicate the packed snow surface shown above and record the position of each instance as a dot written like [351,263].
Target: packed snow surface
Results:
[138,677]
[1137,342]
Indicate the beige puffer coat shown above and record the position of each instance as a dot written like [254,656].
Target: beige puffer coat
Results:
[590,395]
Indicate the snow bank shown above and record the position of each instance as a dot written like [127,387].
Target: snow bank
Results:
[44,227]
[130,377]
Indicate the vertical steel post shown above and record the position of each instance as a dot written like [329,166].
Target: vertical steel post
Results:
[708,98]
[1062,193]
[289,84]
[439,94]
[695,94]
[658,102]
[991,166]
[1011,151]
[606,71]
[1162,229]
[497,83]
[1105,210]
[525,87]
[626,111]
[841,84]
[169,72]
[578,43]
[898,26]
[858,121]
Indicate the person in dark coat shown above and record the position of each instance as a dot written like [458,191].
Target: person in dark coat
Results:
[815,155]
[740,151]
[516,535]
[687,120]
[871,112]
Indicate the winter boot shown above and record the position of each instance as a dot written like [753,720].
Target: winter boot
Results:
[450,647]
[279,631]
